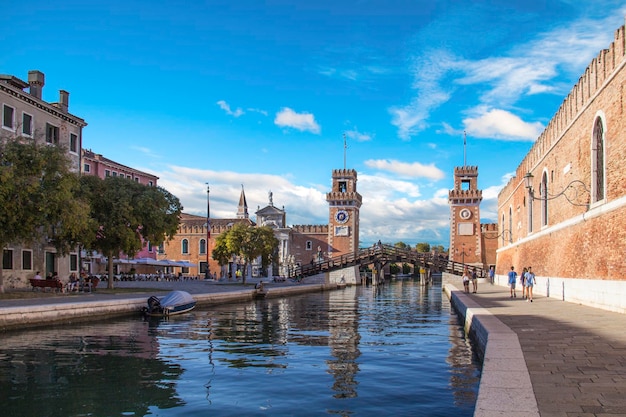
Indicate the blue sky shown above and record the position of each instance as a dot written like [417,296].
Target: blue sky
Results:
[261,93]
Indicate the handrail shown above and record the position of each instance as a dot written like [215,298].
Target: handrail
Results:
[386,253]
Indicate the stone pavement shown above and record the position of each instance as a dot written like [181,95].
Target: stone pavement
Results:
[575,355]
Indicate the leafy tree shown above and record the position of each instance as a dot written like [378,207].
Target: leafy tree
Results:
[402,245]
[246,242]
[394,268]
[422,247]
[37,196]
[126,215]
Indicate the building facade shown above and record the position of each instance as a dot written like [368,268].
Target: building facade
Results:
[564,210]
[27,115]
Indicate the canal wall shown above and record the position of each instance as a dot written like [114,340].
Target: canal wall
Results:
[504,375]
[67,309]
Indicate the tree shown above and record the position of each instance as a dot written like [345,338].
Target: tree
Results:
[248,243]
[37,197]
[126,215]
[402,245]
[422,247]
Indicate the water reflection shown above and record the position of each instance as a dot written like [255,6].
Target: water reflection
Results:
[66,371]
[393,350]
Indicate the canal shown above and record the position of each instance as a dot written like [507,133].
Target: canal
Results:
[395,350]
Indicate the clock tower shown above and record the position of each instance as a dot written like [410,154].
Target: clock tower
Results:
[465,228]
[344,203]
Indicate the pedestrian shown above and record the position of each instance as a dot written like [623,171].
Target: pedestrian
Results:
[530,283]
[512,278]
[474,281]
[492,274]
[38,276]
[466,280]
[522,281]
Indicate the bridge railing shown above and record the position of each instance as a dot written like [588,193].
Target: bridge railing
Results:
[386,254]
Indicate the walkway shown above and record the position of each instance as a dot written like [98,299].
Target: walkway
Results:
[575,355]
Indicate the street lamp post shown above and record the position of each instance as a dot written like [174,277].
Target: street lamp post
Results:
[462,254]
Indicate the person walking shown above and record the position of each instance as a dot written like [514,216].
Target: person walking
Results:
[522,281]
[492,274]
[474,281]
[530,283]
[512,279]
[466,280]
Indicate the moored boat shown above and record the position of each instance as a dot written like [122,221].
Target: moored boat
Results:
[176,302]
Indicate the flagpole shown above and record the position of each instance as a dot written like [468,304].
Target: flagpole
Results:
[464,149]
[345,147]
[208,230]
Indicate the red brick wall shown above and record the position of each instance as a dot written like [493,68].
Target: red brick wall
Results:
[578,241]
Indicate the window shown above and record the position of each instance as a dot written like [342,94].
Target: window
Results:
[107,173]
[73,142]
[150,248]
[8,121]
[52,134]
[597,162]
[7,259]
[128,177]
[309,245]
[503,231]
[114,174]
[161,249]
[185,246]
[27,259]
[510,224]
[150,183]
[73,262]
[87,168]
[27,124]
[136,179]
[543,193]
[342,186]
[202,246]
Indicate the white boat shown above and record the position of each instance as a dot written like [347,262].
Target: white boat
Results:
[176,302]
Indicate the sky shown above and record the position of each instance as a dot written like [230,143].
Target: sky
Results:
[275,95]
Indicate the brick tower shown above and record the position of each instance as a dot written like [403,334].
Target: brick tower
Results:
[344,203]
[465,229]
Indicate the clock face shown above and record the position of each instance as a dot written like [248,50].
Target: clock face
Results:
[465,214]
[342,216]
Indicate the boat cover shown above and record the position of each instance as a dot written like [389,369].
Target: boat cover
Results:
[176,298]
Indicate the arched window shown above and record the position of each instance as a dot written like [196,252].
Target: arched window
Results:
[543,193]
[503,231]
[510,224]
[185,246]
[597,162]
[202,246]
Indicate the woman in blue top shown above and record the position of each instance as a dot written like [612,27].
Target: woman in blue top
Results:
[530,282]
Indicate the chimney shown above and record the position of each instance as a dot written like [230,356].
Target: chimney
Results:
[36,79]
[64,100]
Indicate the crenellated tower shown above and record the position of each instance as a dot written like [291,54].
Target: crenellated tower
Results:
[344,204]
[465,228]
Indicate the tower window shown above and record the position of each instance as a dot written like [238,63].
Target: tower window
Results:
[465,185]
[343,186]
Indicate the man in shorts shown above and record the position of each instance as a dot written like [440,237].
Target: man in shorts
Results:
[512,278]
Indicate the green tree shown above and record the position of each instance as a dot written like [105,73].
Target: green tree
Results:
[248,243]
[37,196]
[401,245]
[422,247]
[126,215]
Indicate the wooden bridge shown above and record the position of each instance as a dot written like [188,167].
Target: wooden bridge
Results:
[379,256]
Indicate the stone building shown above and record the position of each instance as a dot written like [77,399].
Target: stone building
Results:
[26,114]
[564,210]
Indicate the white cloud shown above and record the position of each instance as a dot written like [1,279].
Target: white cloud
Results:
[501,124]
[411,170]
[226,107]
[358,136]
[300,121]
